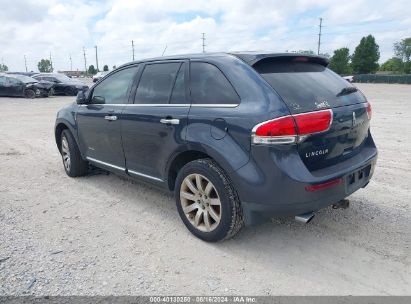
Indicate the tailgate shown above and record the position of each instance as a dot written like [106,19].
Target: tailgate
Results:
[308,86]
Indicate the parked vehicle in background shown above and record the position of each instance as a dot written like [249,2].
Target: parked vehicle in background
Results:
[45,87]
[22,86]
[237,137]
[23,73]
[99,75]
[62,84]
[349,78]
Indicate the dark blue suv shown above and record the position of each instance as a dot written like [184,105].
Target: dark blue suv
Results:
[238,137]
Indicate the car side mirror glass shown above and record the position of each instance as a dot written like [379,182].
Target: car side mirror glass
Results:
[81,98]
[98,100]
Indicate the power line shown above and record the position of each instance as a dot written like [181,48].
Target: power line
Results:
[203,38]
[96,58]
[319,36]
[132,47]
[71,63]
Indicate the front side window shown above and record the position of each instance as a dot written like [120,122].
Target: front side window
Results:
[210,86]
[156,83]
[14,81]
[3,80]
[114,89]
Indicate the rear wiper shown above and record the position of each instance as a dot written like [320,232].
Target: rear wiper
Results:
[347,90]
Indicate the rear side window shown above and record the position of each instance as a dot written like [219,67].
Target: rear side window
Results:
[156,83]
[210,86]
[306,86]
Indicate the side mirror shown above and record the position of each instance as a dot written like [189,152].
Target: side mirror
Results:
[98,100]
[81,97]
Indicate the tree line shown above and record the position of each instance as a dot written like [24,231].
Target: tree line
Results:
[45,66]
[365,58]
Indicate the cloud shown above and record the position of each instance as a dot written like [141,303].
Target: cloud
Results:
[36,28]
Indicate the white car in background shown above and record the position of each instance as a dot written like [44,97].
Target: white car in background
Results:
[349,78]
[99,75]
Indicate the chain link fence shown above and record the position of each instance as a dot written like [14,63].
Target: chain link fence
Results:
[373,78]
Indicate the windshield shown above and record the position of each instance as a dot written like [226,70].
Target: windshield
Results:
[306,86]
[25,79]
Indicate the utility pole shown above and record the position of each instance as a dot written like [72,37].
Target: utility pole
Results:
[203,38]
[85,60]
[319,36]
[71,63]
[51,63]
[25,62]
[132,47]
[96,58]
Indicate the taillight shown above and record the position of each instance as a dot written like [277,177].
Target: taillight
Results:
[314,122]
[369,110]
[285,130]
[277,131]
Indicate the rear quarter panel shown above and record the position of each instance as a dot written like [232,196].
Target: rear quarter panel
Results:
[224,133]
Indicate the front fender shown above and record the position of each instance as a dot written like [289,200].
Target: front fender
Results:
[66,118]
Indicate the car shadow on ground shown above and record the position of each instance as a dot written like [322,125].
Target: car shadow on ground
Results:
[363,225]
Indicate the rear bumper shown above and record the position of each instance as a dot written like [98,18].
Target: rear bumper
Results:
[275,184]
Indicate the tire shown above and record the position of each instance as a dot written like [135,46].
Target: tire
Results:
[224,219]
[29,94]
[73,164]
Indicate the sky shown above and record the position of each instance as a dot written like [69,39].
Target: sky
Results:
[37,28]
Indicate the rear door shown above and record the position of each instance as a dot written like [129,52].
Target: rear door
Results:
[58,87]
[99,121]
[155,125]
[308,86]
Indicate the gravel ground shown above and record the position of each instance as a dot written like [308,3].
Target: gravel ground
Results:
[104,235]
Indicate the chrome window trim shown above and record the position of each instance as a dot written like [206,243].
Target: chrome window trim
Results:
[105,164]
[165,105]
[215,105]
[123,169]
[144,175]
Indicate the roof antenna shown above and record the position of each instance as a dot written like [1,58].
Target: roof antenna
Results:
[164,51]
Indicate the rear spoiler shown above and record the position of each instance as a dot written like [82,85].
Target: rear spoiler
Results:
[253,58]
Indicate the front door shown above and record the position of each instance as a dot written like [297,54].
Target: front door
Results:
[99,121]
[14,87]
[154,126]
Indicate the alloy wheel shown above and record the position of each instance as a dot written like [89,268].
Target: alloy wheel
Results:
[200,202]
[65,153]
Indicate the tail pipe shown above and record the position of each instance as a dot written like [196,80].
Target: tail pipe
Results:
[305,218]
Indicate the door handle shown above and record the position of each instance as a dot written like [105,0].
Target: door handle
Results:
[110,117]
[171,121]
